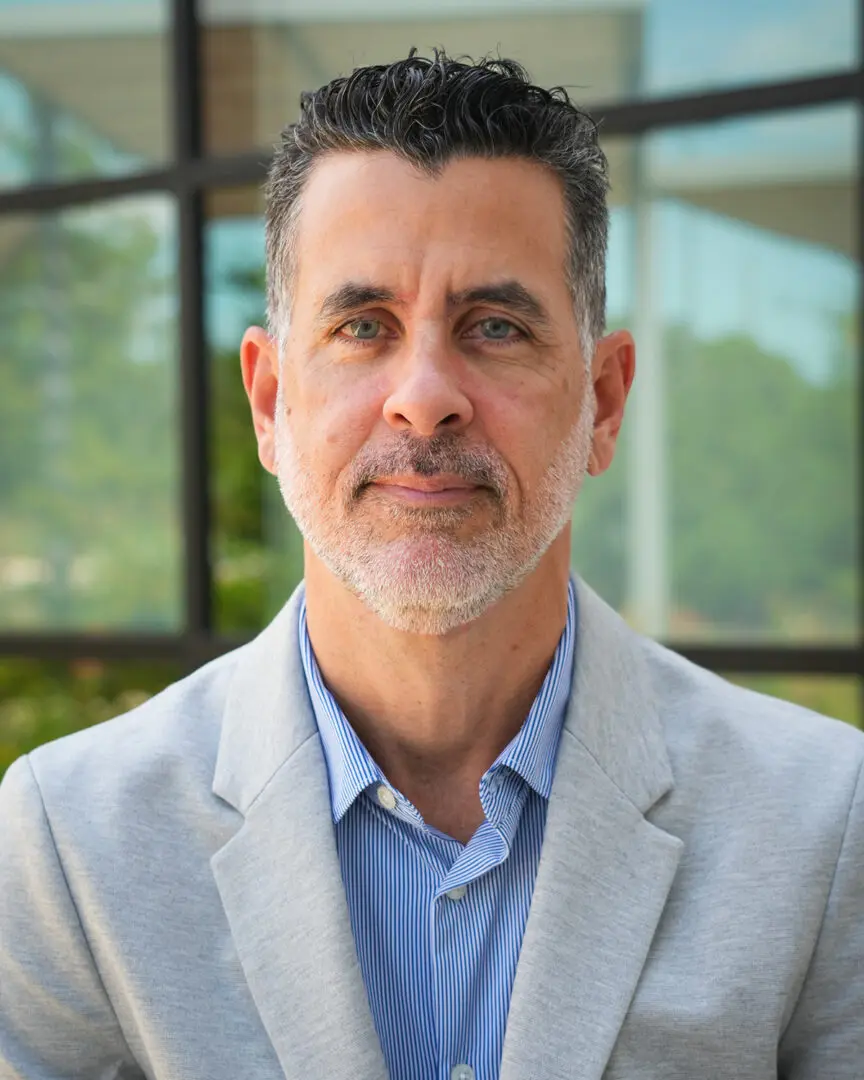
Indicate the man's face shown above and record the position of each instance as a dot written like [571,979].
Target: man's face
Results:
[433,420]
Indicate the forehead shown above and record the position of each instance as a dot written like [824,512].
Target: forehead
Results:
[376,217]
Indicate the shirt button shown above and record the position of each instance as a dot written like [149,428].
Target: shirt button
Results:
[457,894]
[461,1072]
[386,797]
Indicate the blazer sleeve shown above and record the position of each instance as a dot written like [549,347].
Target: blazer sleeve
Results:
[56,1021]
[825,1036]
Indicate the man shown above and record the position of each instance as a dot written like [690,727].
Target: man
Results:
[447,816]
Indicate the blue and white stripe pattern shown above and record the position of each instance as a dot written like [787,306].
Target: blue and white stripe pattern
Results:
[438,925]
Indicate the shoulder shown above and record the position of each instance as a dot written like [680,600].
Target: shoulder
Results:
[94,813]
[759,764]
[169,742]
[706,714]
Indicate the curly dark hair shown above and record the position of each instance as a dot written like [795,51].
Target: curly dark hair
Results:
[430,111]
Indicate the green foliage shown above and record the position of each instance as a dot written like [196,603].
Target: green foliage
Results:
[258,552]
[763,476]
[838,697]
[762,482]
[41,701]
[89,470]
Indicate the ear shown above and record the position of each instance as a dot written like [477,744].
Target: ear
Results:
[259,362]
[612,370]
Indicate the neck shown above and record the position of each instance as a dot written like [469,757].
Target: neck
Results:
[435,711]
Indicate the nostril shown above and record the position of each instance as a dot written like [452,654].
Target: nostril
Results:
[453,418]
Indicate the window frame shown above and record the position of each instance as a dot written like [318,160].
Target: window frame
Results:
[190,174]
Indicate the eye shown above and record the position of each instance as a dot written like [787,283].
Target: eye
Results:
[362,329]
[497,329]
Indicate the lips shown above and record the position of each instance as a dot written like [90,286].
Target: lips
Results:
[426,484]
[428,491]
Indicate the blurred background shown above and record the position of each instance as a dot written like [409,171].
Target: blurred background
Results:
[139,537]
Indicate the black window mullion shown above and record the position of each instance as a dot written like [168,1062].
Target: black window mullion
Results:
[193,366]
[651,114]
[860,383]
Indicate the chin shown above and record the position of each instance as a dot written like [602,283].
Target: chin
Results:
[418,619]
[429,586]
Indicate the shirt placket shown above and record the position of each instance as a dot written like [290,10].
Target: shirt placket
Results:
[460,924]
[453,955]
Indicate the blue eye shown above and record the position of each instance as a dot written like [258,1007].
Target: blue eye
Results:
[496,329]
[364,329]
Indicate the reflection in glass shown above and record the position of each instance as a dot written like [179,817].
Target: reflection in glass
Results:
[257,551]
[258,58]
[836,696]
[44,700]
[83,88]
[733,260]
[89,530]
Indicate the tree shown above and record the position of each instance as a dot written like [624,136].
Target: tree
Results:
[89,465]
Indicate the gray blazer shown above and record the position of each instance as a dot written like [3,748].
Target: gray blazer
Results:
[171,905]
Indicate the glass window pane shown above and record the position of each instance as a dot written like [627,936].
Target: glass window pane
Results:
[84,88]
[836,696]
[257,550]
[89,473]
[731,512]
[692,45]
[258,58]
[44,700]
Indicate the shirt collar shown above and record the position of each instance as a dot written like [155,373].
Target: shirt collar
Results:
[531,753]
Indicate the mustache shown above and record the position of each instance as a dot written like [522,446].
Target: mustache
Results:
[445,453]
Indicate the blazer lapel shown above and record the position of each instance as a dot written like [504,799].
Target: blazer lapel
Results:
[279,876]
[605,871]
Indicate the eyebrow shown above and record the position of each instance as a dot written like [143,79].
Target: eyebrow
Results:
[510,294]
[350,296]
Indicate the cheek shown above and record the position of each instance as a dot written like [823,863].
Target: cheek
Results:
[335,420]
[527,424]
[518,419]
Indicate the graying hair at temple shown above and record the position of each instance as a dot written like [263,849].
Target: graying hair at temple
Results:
[429,112]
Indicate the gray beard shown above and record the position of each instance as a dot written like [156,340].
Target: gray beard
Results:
[428,580]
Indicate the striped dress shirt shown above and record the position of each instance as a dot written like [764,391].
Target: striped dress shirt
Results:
[438,925]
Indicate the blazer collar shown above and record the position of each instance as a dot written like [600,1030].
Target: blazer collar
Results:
[267,715]
[612,711]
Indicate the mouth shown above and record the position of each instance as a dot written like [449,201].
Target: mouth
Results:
[440,490]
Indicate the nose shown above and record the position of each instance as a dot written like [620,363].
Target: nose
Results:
[427,396]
